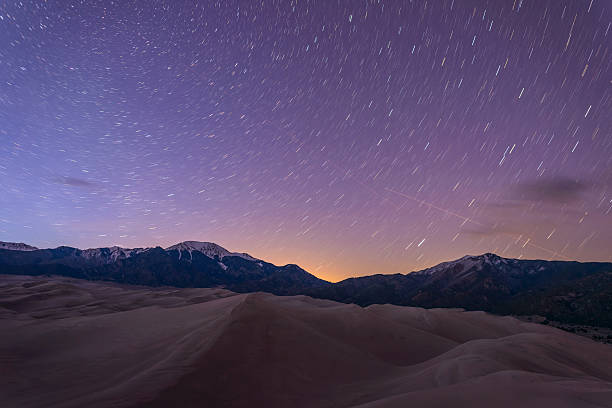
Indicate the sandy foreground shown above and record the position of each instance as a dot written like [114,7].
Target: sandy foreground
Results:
[72,343]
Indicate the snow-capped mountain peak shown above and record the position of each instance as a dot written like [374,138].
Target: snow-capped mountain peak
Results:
[111,254]
[209,249]
[17,246]
[467,262]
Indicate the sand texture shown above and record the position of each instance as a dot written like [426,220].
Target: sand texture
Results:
[72,343]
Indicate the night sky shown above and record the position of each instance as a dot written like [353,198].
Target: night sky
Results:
[349,137]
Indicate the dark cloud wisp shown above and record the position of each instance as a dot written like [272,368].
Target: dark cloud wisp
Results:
[74,181]
[559,190]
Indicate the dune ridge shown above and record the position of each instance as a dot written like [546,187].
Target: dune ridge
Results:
[71,343]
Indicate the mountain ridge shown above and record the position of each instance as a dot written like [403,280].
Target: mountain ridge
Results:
[206,265]
[567,291]
[16,246]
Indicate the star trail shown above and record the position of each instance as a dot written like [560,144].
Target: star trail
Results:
[349,137]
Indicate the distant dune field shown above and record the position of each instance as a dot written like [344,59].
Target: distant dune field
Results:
[72,343]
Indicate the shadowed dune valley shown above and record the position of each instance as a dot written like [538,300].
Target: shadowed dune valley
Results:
[73,343]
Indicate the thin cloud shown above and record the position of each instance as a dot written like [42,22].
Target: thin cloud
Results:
[74,181]
[559,190]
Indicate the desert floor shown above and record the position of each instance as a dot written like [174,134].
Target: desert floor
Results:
[72,343]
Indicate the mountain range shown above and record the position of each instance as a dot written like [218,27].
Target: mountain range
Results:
[187,264]
[570,292]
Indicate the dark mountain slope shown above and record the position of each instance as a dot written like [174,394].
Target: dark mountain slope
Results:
[585,301]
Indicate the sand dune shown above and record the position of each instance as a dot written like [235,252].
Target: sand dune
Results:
[71,343]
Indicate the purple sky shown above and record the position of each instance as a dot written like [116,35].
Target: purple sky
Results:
[349,137]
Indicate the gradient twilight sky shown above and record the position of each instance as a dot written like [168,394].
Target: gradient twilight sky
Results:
[349,137]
